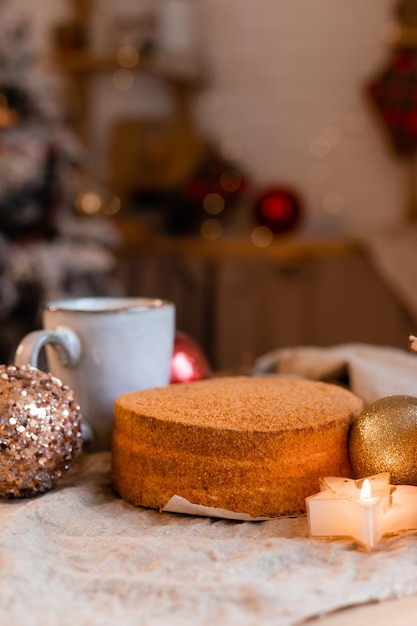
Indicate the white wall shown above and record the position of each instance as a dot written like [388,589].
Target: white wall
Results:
[288,85]
[286,89]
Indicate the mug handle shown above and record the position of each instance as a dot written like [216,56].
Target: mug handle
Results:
[68,346]
[63,339]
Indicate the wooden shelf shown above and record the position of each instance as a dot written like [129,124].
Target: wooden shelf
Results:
[81,61]
[84,62]
[137,242]
[135,149]
[81,67]
[407,38]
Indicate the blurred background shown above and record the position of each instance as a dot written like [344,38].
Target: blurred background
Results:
[253,162]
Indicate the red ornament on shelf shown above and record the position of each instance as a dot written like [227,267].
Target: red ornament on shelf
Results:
[188,363]
[279,209]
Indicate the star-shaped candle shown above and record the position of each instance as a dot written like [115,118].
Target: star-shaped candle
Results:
[365,509]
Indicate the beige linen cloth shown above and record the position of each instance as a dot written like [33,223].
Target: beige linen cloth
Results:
[371,372]
[80,555]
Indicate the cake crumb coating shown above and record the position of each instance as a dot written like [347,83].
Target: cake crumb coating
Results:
[255,445]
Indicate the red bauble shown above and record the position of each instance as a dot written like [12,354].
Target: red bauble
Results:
[188,362]
[279,209]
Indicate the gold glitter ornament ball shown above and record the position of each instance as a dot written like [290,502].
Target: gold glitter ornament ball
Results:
[383,438]
[40,430]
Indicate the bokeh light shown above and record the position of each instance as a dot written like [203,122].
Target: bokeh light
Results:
[390,33]
[113,206]
[333,202]
[123,79]
[211,229]
[231,149]
[319,147]
[88,203]
[127,56]
[262,236]
[230,180]
[213,203]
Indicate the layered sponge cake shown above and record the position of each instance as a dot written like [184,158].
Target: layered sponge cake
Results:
[254,445]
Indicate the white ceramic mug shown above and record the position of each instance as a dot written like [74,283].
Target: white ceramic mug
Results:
[102,348]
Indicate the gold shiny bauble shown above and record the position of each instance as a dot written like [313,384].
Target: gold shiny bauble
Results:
[383,438]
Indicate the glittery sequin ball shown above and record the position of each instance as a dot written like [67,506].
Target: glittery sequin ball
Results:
[383,438]
[40,430]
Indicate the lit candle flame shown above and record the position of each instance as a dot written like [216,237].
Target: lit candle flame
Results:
[365,490]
